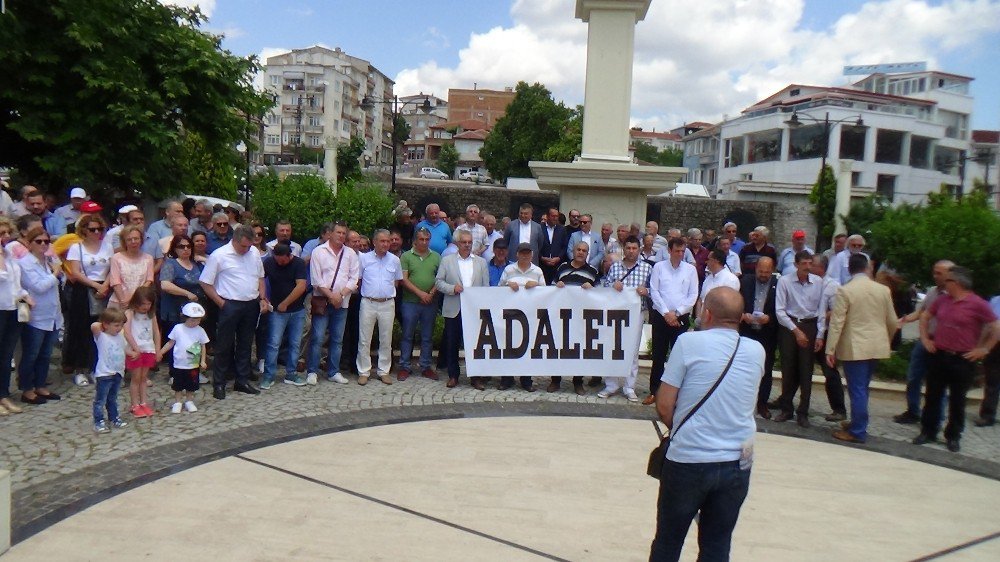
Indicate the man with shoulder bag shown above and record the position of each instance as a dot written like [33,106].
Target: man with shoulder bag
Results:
[334,271]
[710,385]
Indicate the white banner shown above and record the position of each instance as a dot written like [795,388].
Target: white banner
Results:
[550,331]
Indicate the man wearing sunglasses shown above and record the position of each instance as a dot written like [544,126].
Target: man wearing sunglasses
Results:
[221,233]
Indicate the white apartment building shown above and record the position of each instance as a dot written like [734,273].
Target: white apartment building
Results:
[914,138]
[319,93]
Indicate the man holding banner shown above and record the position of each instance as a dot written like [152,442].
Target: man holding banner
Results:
[633,273]
[581,274]
[458,271]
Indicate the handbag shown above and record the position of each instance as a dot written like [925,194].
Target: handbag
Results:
[654,466]
[318,303]
[23,312]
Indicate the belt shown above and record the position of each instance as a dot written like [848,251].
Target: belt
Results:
[802,320]
[386,299]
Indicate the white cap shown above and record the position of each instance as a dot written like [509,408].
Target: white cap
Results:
[193,310]
[127,209]
[77,193]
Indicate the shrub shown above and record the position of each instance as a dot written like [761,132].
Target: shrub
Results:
[363,205]
[305,200]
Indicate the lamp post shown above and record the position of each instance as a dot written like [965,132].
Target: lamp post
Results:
[368,103]
[843,200]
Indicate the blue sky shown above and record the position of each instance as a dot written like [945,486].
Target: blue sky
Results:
[693,62]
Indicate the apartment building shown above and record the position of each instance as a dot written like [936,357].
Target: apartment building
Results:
[479,105]
[318,102]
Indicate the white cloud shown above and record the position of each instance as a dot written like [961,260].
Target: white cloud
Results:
[206,6]
[702,60]
[434,39]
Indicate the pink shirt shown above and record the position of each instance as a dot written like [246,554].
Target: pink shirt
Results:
[960,323]
[130,274]
[323,266]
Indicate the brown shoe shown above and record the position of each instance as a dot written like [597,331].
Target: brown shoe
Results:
[452,383]
[595,382]
[580,391]
[763,412]
[648,400]
[478,384]
[783,417]
[844,435]
[845,424]
[402,374]
[429,374]
[363,380]
[553,387]
[386,379]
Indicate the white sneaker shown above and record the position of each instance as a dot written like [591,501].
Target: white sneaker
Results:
[176,408]
[189,406]
[311,379]
[81,380]
[630,395]
[202,379]
[338,378]
[605,393]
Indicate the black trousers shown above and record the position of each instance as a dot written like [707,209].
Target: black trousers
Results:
[834,386]
[796,367]
[769,341]
[988,409]
[664,338]
[954,372]
[349,355]
[235,335]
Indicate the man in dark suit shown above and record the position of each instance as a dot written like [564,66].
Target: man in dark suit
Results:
[525,230]
[760,322]
[554,241]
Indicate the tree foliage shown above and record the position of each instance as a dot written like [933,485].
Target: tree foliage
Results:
[666,157]
[363,205]
[866,212]
[108,92]
[912,238]
[349,159]
[533,122]
[570,144]
[448,159]
[824,200]
[208,174]
[400,131]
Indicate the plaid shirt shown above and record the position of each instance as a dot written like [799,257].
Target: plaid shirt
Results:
[634,277]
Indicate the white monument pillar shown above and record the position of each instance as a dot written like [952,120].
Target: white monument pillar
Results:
[603,180]
[843,202]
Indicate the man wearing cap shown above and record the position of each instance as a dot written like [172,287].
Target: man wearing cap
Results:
[756,249]
[521,273]
[786,261]
[115,230]
[499,263]
[285,276]
[234,279]
[70,213]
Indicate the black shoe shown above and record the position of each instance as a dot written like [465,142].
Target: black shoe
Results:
[51,396]
[528,387]
[506,385]
[245,389]
[219,393]
[774,404]
[595,382]
[38,399]
[906,418]
[580,391]
[980,422]
[253,376]
[803,421]
[953,446]
[783,417]
[923,438]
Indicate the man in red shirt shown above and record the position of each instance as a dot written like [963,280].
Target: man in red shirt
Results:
[967,329]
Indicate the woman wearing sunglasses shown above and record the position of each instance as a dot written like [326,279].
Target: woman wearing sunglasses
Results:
[40,278]
[179,281]
[89,261]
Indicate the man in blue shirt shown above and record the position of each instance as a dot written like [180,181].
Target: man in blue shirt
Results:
[786,261]
[440,231]
[221,233]
[499,262]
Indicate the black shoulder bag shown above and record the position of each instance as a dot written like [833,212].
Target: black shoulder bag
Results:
[656,457]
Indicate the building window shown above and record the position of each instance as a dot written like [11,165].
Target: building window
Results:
[346,128]
[315,121]
[955,124]
[273,119]
[855,179]
[946,160]
[276,80]
[284,138]
[711,176]
[734,152]
[886,186]
[889,146]
[294,139]
[764,146]
[806,142]
[315,142]
[273,139]
[920,152]
[852,143]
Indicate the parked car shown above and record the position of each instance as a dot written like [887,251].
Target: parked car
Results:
[433,173]
[475,176]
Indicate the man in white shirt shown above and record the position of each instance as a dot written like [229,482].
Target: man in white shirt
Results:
[522,273]
[732,258]
[472,226]
[525,230]
[234,279]
[798,306]
[381,272]
[659,242]
[838,264]
[673,288]
[718,275]
[283,233]
[707,468]
[492,235]
[458,271]
[595,251]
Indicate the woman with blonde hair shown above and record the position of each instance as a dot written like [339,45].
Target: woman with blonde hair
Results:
[130,269]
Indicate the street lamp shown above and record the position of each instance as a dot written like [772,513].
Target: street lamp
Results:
[842,206]
[367,103]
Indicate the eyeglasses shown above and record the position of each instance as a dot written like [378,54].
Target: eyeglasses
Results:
[584,222]
[40,242]
[96,229]
[222,224]
[183,246]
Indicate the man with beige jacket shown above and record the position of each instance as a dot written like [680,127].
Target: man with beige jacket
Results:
[861,329]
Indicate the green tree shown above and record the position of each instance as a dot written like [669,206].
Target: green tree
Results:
[912,238]
[105,92]
[533,122]
[570,144]
[824,200]
[208,174]
[448,159]
[671,156]
[304,199]
[666,157]
[349,159]
[400,131]
[646,152]
[364,205]
[866,212]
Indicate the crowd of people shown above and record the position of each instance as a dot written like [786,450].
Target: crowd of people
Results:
[326,309]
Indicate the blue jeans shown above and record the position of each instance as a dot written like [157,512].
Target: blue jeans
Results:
[915,377]
[278,325]
[716,489]
[106,396]
[425,314]
[36,350]
[334,319]
[10,330]
[859,376]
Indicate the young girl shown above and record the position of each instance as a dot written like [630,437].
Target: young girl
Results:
[111,351]
[188,342]
[143,335]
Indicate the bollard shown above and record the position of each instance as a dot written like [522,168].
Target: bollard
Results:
[4,511]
